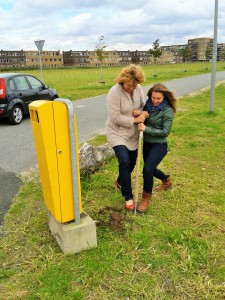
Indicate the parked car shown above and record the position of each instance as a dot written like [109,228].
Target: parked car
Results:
[17,91]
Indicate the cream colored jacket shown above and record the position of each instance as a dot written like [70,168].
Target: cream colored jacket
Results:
[120,127]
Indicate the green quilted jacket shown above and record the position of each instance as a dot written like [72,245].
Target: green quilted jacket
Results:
[158,125]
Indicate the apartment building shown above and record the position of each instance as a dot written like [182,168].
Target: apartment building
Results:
[199,49]
[75,58]
[221,52]
[140,57]
[12,58]
[89,58]
[111,58]
[48,58]
[171,54]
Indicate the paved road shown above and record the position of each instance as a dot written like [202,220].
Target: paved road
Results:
[17,150]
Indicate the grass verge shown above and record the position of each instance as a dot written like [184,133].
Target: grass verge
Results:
[174,251]
[80,83]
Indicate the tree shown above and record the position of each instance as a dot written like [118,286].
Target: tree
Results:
[155,52]
[100,51]
[185,54]
[208,53]
[222,54]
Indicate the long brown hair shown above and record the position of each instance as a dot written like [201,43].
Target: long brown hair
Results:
[160,88]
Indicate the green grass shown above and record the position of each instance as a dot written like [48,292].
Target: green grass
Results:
[174,251]
[79,83]
[98,140]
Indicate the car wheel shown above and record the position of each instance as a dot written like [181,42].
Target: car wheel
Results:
[16,116]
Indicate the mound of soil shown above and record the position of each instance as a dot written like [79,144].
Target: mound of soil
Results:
[111,217]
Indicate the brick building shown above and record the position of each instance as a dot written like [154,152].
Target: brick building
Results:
[12,58]
[48,58]
[199,49]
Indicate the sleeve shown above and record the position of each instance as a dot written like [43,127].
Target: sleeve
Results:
[114,109]
[164,131]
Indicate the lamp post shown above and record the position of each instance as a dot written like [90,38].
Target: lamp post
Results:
[40,44]
[214,59]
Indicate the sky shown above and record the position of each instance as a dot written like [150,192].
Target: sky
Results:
[124,25]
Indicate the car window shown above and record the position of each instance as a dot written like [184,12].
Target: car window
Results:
[21,83]
[34,82]
[11,85]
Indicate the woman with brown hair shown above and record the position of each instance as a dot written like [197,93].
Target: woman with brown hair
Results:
[125,101]
[161,106]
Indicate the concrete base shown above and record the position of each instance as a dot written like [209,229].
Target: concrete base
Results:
[71,237]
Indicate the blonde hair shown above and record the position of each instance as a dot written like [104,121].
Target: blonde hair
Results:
[160,88]
[132,73]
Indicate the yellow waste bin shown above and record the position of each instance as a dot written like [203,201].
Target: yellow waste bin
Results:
[51,133]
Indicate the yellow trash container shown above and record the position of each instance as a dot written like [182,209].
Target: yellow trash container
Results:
[51,131]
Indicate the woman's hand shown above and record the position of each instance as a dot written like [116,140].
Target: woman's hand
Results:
[145,113]
[141,127]
[137,112]
[139,119]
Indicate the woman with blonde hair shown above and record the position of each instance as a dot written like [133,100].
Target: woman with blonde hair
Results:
[125,101]
[161,106]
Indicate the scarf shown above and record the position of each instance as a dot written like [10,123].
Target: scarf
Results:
[151,108]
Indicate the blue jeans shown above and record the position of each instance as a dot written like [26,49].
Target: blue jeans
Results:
[127,161]
[153,154]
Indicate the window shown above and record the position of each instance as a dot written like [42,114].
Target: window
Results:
[11,84]
[35,83]
[21,83]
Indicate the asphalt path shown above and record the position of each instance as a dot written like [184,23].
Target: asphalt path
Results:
[17,149]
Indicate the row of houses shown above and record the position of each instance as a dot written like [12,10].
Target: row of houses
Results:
[196,50]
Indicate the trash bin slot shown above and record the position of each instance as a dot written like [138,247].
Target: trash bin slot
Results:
[34,115]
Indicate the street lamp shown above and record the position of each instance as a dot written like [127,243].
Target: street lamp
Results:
[40,44]
[214,59]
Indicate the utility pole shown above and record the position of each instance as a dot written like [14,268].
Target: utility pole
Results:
[214,59]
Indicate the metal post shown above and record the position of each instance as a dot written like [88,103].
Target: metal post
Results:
[40,45]
[41,76]
[69,105]
[214,59]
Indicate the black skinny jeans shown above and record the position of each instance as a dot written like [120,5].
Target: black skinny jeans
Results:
[153,154]
[127,160]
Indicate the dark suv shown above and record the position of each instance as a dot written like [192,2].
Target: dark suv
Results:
[17,91]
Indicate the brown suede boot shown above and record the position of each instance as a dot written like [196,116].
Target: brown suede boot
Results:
[142,207]
[166,184]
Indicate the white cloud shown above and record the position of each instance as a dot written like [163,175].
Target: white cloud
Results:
[125,25]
